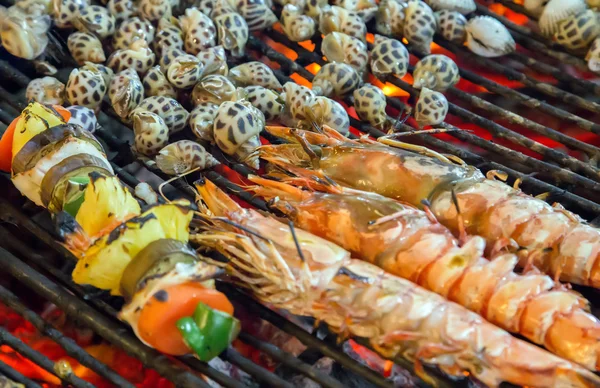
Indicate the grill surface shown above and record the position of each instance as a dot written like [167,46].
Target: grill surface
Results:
[506,139]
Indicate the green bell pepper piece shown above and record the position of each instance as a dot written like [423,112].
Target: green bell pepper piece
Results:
[219,329]
[75,194]
[192,336]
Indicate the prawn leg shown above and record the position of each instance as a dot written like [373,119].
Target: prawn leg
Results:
[387,140]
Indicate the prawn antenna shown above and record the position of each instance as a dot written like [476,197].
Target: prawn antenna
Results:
[462,233]
[291,225]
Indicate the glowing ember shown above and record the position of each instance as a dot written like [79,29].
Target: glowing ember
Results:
[313,68]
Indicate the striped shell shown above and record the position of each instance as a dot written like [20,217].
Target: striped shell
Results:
[125,92]
[121,9]
[46,90]
[202,119]
[22,36]
[535,7]
[389,19]
[593,56]
[296,98]
[257,14]
[556,11]
[182,156]
[168,36]
[254,73]
[335,79]
[85,88]
[64,11]
[184,71]
[84,117]
[388,56]
[198,30]
[462,6]
[488,37]
[85,47]
[366,9]
[233,32]
[339,47]
[95,20]
[370,103]
[154,9]
[168,56]
[578,31]
[338,19]
[236,130]
[131,30]
[265,100]
[205,6]
[419,26]
[151,132]
[325,111]
[105,72]
[221,7]
[436,72]
[171,111]
[314,8]
[156,84]
[431,108]
[297,26]
[214,60]
[451,25]
[215,89]
[138,57]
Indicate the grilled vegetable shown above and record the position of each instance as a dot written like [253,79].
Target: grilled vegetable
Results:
[36,119]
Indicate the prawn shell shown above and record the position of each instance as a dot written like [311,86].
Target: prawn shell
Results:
[183,156]
[496,39]
[151,132]
[431,108]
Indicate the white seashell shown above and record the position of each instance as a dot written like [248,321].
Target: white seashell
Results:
[215,89]
[390,17]
[419,25]
[151,132]
[233,32]
[335,79]
[556,11]
[339,47]
[214,60]
[296,97]
[578,31]
[593,56]
[265,100]
[431,108]
[366,9]
[464,7]
[452,25]
[369,104]
[388,56]
[154,9]
[255,73]
[156,84]
[202,120]
[198,30]
[138,56]
[314,8]
[297,26]
[182,156]
[488,37]
[338,19]
[535,7]
[184,71]
[125,92]
[64,11]
[84,117]
[258,15]
[325,111]
[436,72]
[24,36]
[95,20]
[85,47]
[121,9]
[131,30]
[46,90]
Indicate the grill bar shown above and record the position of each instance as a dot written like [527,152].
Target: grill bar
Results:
[12,374]
[66,343]
[22,348]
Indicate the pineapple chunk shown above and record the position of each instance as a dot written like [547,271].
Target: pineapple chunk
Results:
[103,264]
[34,119]
[106,203]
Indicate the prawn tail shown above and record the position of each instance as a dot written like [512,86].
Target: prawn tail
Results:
[216,201]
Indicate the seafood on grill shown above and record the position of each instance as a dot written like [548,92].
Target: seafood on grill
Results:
[437,72]
[95,20]
[578,31]
[236,130]
[233,32]
[297,26]
[168,54]
[369,104]
[202,119]
[169,109]
[265,100]
[535,7]
[143,256]
[131,30]
[292,269]
[338,19]
[84,117]
[156,84]
[335,79]
[388,57]
[85,47]
[390,18]
[151,132]
[366,9]
[488,37]
[46,90]
[419,25]
[125,92]
[258,14]
[214,60]
[593,56]
[296,97]
[86,87]
[121,9]
[555,11]
[451,25]
[137,56]
[22,35]
[254,73]
[462,6]
[64,11]
[184,71]
[313,8]
[214,89]
[168,35]
[199,32]
[431,108]
[154,9]
[339,47]
[105,72]
[183,156]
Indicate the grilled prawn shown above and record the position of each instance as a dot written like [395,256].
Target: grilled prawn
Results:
[548,237]
[295,270]
[409,243]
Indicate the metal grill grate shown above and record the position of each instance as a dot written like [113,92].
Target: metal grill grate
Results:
[575,182]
